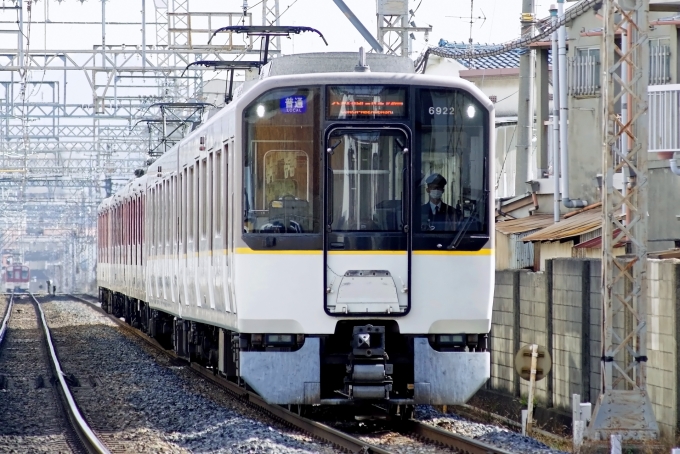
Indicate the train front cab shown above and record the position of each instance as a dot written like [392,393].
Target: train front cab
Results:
[17,278]
[396,200]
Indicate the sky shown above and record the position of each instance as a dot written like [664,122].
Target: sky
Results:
[449,19]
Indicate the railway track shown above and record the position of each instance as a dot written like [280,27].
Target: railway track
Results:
[411,428]
[34,411]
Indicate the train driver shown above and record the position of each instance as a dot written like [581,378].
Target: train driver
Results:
[435,214]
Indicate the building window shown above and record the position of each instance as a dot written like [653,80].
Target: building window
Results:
[659,61]
[584,72]
[493,98]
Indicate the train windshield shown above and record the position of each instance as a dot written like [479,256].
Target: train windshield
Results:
[367,180]
[24,273]
[281,178]
[449,163]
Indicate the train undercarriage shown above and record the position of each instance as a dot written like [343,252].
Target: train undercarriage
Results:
[363,362]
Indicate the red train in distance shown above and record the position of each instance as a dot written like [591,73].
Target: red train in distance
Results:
[16,278]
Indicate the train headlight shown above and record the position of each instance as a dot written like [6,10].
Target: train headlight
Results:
[279,339]
[455,340]
[260,111]
[471,111]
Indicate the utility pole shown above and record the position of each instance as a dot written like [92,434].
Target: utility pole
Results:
[623,408]
[394,27]
[525,110]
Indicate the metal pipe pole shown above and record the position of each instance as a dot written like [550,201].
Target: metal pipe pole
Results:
[555,122]
[564,141]
[143,34]
[359,26]
[21,37]
[525,119]
[104,33]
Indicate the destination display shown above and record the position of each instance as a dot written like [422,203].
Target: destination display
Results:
[346,102]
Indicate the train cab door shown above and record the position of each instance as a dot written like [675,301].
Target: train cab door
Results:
[367,200]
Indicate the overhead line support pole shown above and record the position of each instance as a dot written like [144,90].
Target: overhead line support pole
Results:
[623,407]
[525,113]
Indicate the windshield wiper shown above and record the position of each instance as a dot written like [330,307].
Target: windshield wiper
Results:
[459,237]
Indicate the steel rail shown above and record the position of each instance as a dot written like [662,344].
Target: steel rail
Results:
[313,428]
[5,320]
[86,435]
[449,439]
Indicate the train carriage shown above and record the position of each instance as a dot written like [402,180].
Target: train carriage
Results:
[17,278]
[325,237]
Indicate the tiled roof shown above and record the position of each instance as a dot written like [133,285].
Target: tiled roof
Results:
[506,60]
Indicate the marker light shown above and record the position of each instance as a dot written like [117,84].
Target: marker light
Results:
[471,111]
[260,111]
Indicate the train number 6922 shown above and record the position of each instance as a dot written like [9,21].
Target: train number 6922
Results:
[440,110]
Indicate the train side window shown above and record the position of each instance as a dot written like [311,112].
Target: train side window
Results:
[159,216]
[209,204]
[225,189]
[282,168]
[190,204]
[154,222]
[168,215]
[204,198]
[183,210]
[197,204]
[217,191]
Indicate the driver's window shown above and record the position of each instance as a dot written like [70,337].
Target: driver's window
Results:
[281,177]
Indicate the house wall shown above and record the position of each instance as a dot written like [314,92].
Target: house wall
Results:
[664,188]
[504,88]
[550,250]
[585,148]
[560,309]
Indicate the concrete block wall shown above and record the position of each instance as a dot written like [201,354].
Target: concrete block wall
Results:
[503,332]
[561,309]
[533,322]
[571,330]
[662,342]
[595,349]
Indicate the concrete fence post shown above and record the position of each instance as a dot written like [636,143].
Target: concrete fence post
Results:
[677,346]
[516,325]
[585,331]
[549,327]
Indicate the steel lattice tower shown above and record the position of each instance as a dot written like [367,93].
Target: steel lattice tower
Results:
[623,407]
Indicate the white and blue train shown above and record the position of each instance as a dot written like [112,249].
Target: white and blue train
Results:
[326,238]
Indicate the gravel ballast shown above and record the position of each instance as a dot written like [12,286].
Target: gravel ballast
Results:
[140,401]
[490,434]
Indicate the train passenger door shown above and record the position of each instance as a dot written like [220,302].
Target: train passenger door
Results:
[367,244]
